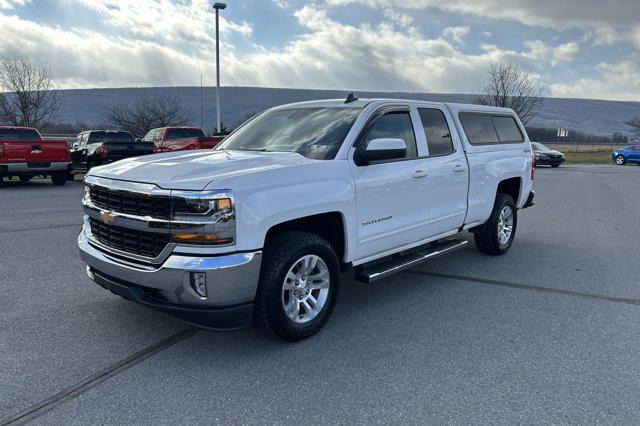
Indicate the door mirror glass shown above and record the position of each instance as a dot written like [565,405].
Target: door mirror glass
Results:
[383,149]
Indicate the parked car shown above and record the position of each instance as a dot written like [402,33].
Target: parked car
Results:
[97,147]
[168,139]
[264,224]
[23,153]
[629,154]
[544,156]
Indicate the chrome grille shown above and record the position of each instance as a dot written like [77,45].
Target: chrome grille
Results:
[130,202]
[148,244]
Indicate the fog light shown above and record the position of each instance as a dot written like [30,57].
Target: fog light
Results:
[199,283]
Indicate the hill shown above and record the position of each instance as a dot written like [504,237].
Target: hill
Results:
[87,105]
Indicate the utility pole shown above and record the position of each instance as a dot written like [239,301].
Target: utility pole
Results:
[218,7]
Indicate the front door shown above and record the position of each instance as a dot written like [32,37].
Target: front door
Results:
[390,202]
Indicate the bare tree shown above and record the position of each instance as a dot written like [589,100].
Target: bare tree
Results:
[148,113]
[511,87]
[28,96]
[635,123]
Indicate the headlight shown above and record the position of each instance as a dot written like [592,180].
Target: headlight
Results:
[203,217]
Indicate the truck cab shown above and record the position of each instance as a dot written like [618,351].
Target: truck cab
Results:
[168,139]
[262,227]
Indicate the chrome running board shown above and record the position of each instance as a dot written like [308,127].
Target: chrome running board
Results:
[398,263]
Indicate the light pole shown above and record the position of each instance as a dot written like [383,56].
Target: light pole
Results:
[218,7]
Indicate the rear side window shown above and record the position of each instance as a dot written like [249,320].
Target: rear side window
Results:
[395,125]
[19,135]
[436,131]
[479,128]
[110,136]
[184,133]
[490,129]
[507,129]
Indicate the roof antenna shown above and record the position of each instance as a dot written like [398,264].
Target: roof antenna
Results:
[350,98]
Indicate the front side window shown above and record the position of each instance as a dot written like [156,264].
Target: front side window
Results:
[479,128]
[537,146]
[314,132]
[436,130]
[394,125]
[149,136]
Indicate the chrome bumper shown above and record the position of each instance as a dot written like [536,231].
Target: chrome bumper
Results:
[56,166]
[230,279]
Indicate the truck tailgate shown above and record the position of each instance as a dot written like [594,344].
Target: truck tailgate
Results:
[212,142]
[29,151]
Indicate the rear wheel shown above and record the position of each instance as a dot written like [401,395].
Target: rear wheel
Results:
[59,179]
[555,165]
[620,161]
[298,285]
[496,235]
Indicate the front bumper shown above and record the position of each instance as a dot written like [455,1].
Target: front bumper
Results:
[34,168]
[231,283]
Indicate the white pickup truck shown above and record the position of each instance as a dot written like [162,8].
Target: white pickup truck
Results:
[263,227]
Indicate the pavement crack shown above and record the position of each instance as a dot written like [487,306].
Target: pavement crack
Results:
[73,391]
[528,287]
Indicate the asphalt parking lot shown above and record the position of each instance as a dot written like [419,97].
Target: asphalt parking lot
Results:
[550,332]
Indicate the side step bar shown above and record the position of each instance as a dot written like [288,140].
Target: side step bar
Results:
[399,263]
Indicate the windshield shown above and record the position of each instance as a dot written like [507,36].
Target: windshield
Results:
[314,133]
[537,146]
[111,137]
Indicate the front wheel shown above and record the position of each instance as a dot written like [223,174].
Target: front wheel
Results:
[555,165]
[620,161]
[298,286]
[496,235]
[59,179]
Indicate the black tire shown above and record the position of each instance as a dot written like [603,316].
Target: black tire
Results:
[25,179]
[555,165]
[486,236]
[620,160]
[59,179]
[280,254]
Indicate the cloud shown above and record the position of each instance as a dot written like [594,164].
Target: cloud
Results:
[456,34]
[567,52]
[603,22]
[614,81]
[10,4]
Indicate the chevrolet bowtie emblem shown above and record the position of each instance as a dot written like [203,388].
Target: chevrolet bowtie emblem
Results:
[106,217]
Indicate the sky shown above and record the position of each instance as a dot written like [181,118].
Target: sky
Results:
[575,48]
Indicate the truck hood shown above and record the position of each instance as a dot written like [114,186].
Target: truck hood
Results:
[194,170]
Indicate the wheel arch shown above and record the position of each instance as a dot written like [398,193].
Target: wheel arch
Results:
[330,225]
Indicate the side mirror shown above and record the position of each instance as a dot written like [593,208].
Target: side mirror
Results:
[382,149]
[138,140]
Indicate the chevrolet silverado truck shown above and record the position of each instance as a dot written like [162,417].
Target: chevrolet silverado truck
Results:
[168,139]
[263,227]
[23,153]
[97,147]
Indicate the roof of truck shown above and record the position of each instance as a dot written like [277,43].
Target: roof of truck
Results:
[363,102]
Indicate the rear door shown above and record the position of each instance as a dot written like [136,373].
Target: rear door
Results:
[448,178]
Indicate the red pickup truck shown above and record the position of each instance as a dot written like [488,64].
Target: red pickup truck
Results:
[25,154]
[167,139]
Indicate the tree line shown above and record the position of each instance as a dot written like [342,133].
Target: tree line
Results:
[29,97]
